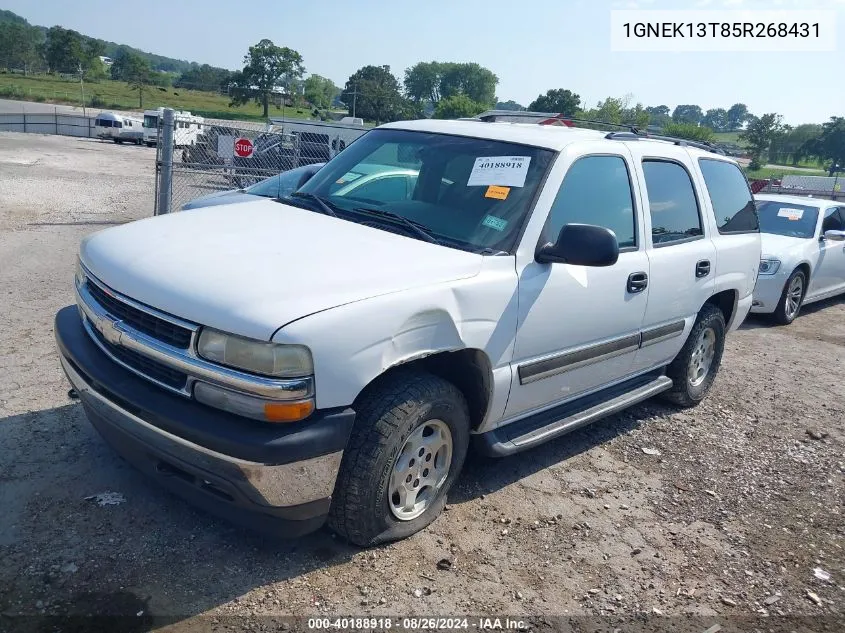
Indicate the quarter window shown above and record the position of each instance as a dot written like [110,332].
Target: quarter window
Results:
[596,190]
[730,196]
[832,221]
[672,203]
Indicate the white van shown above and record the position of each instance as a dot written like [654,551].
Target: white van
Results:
[188,127]
[118,128]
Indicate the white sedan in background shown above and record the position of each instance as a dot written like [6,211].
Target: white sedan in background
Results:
[803,257]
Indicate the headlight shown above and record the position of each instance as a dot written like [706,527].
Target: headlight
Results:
[769,266]
[258,357]
[80,274]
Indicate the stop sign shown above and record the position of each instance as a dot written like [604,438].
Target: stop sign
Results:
[243,147]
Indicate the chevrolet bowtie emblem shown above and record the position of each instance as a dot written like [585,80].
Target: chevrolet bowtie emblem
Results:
[110,331]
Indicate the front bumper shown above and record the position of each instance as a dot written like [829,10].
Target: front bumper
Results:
[768,291]
[275,478]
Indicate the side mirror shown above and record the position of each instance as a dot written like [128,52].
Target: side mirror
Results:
[581,245]
[834,236]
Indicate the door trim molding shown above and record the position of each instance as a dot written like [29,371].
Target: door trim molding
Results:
[572,359]
[662,333]
[568,360]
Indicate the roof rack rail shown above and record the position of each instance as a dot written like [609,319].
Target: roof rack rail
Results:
[545,118]
[631,131]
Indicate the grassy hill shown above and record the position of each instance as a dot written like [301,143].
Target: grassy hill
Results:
[116,95]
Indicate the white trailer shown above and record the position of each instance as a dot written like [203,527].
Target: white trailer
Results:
[118,128]
[334,136]
[188,127]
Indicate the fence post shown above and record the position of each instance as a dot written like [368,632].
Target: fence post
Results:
[165,183]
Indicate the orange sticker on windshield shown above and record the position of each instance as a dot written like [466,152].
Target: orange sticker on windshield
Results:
[497,192]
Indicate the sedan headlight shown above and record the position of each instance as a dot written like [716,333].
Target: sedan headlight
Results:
[258,357]
[80,273]
[769,266]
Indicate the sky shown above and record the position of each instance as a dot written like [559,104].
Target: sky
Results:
[552,44]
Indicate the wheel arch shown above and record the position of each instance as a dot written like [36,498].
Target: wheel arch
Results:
[726,302]
[469,369]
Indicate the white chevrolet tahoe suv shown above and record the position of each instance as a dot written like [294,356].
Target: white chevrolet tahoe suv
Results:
[330,357]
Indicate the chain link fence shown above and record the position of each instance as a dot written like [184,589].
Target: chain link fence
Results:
[210,156]
[828,187]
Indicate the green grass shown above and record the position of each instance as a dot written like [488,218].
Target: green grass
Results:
[728,137]
[778,172]
[116,95]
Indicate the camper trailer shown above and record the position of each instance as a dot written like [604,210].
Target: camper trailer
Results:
[188,127]
[319,140]
[118,128]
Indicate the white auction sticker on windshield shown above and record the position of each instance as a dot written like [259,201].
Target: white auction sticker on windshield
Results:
[791,214]
[503,171]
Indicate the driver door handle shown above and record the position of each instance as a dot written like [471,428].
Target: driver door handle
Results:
[637,282]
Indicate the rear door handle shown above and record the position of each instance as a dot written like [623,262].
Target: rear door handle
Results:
[702,268]
[637,282]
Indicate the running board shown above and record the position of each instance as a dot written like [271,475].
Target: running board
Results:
[542,427]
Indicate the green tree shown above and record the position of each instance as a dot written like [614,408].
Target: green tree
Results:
[830,145]
[135,71]
[19,45]
[320,91]
[510,105]
[64,50]
[760,132]
[267,68]
[422,82]
[687,114]
[689,131]
[429,82]
[372,93]
[637,116]
[737,115]
[457,106]
[793,144]
[716,119]
[557,100]
[205,77]
[659,115]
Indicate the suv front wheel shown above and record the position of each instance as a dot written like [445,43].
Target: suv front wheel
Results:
[407,448]
[696,365]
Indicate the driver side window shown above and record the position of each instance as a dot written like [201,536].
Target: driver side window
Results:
[833,220]
[596,190]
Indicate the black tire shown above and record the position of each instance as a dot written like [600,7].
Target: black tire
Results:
[685,392]
[150,144]
[387,415]
[784,315]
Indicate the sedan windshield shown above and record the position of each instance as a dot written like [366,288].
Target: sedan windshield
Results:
[462,192]
[785,218]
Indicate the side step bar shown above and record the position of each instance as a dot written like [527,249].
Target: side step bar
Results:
[542,427]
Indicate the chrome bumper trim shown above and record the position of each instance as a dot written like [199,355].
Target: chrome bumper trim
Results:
[184,360]
[270,485]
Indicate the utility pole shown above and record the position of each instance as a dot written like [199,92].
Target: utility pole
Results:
[836,170]
[82,88]
[354,98]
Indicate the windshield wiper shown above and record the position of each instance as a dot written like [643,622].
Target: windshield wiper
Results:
[416,227]
[325,207]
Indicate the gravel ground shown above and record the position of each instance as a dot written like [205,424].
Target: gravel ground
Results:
[716,516]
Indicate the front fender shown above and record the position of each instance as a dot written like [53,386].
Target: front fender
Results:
[355,343]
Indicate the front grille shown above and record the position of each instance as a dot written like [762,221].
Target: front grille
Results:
[147,366]
[145,322]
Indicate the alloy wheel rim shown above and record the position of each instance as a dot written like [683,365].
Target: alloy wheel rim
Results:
[420,470]
[702,357]
[793,297]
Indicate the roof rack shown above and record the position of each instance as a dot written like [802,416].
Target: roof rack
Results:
[631,132]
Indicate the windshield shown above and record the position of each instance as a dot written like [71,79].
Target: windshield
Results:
[150,120]
[785,218]
[465,192]
[282,185]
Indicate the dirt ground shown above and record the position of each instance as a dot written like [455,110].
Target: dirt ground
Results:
[735,519]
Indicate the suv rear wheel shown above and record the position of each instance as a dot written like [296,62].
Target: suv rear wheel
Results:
[407,448]
[696,365]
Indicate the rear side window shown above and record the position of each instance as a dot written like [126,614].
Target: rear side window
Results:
[596,190]
[672,203]
[730,196]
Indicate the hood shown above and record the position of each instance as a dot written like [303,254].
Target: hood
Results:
[778,246]
[251,268]
[221,197]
